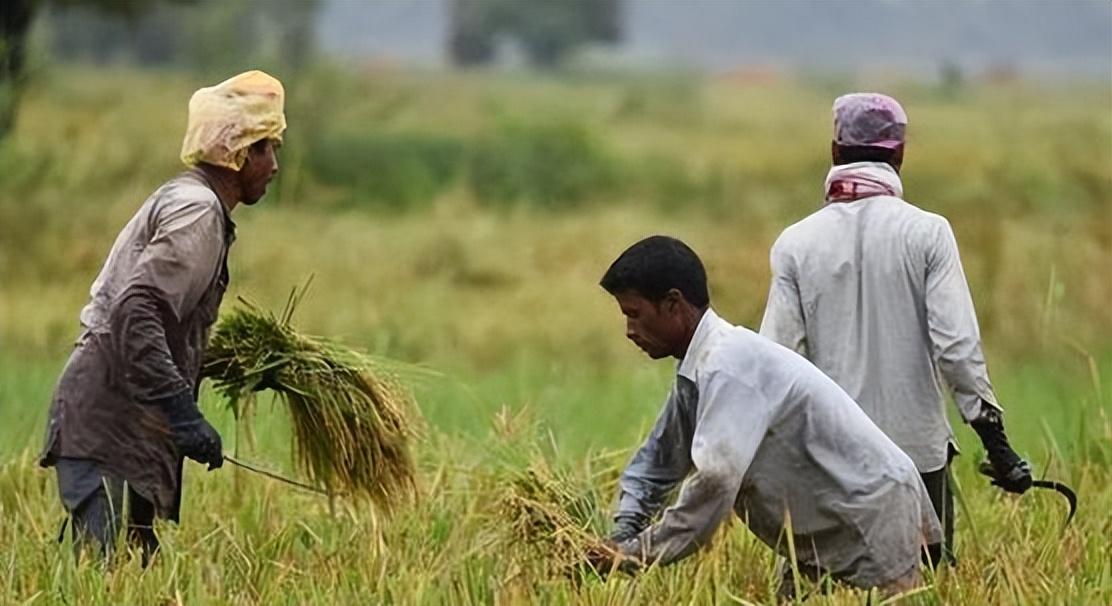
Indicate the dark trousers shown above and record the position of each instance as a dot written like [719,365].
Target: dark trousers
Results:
[942,498]
[96,503]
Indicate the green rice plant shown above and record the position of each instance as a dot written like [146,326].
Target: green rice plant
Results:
[352,417]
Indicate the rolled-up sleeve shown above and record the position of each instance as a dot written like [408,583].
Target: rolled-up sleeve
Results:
[731,423]
[172,274]
[783,318]
[952,324]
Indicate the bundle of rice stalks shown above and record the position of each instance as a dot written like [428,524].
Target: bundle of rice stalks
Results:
[554,516]
[350,414]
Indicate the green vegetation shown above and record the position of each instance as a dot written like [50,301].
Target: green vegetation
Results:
[416,201]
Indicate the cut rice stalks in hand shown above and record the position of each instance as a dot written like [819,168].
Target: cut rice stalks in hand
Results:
[548,515]
[353,419]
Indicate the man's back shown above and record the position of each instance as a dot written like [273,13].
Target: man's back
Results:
[872,292]
[821,452]
[184,213]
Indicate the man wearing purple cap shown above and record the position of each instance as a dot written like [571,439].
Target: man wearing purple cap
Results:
[871,289]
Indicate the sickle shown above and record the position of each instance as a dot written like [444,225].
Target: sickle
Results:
[1065,491]
[1071,497]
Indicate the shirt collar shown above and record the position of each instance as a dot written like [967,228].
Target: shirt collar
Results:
[708,326]
[229,224]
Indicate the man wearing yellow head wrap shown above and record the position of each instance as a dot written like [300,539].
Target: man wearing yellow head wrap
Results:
[124,413]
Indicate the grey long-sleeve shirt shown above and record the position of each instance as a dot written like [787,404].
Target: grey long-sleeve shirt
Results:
[752,427]
[873,293]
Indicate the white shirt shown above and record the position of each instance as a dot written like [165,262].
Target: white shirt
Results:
[873,293]
[755,428]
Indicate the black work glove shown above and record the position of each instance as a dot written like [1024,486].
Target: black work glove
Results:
[193,436]
[1007,469]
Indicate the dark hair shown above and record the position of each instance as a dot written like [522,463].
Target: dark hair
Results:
[848,154]
[656,265]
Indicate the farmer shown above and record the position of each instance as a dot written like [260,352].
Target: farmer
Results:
[871,290]
[125,411]
[752,427]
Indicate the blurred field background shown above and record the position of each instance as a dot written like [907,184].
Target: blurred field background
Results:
[460,219]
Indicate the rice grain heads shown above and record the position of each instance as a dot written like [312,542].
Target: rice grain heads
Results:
[547,512]
[352,418]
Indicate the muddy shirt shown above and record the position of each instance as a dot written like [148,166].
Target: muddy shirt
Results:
[143,337]
[754,428]
[873,293]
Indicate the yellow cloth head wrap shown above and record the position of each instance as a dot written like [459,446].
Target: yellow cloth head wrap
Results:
[226,119]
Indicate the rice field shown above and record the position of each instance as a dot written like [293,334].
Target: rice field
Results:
[532,400]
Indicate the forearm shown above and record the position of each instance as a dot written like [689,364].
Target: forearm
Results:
[705,502]
[962,365]
[643,494]
[1008,470]
[658,466]
[723,445]
[140,343]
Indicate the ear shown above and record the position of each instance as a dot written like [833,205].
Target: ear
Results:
[898,158]
[674,300]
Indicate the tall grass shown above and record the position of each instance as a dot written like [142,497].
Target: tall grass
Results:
[268,544]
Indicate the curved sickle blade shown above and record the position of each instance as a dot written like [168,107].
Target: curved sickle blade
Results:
[1065,491]
[986,469]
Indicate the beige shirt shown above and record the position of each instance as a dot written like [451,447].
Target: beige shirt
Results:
[753,428]
[873,293]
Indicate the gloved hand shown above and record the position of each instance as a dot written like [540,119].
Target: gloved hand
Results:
[1007,469]
[1018,480]
[193,436]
